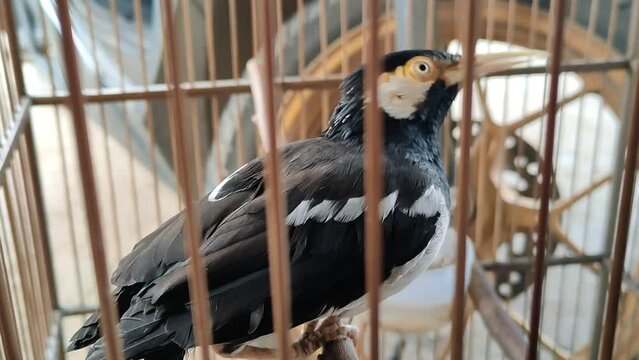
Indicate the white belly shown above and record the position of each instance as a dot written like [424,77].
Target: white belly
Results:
[403,275]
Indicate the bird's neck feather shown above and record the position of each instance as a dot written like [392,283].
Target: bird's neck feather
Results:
[347,121]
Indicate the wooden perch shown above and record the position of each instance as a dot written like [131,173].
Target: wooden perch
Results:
[341,349]
[501,327]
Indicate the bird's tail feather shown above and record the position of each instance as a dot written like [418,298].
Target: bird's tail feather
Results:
[148,332]
[171,352]
[87,334]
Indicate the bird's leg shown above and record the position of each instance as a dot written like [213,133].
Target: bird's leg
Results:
[315,335]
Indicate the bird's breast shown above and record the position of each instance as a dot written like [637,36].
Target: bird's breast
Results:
[402,275]
[418,242]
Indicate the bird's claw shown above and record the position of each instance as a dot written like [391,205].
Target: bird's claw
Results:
[331,329]
[318,333]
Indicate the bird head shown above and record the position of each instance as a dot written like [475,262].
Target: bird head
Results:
[414,86]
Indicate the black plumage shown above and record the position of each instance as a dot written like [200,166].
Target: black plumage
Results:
[323,182]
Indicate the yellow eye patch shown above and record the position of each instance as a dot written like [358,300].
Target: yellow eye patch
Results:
[419,68]
[422,69]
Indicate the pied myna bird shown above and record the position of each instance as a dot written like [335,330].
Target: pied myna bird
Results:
[323,179]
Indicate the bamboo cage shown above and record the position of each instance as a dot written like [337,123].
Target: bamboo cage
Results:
[117,114]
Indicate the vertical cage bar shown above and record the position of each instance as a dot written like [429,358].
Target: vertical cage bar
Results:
[25,258]
[323,35]
[22,287]
[410,23]
[215,103]
[633,42]
[105,135]
[538,269]
[137,14]
[301,56]
[612,27]
[16,294]
[235,72]
[373,171]
[37,205]
[301,40]
[62,155]
[107,308]
[31,279]
[430,25]
[277,232]
[534,17]
[197,274]
[19,239]
[615,190]
[34,179]
[193,108]
[169,104]
[468,43]
[589,203]
[42,264]
[388,38]
[343,31]
[601,296]
[281,39]
[621,237]
[254,29]
[8,328]
[113,5]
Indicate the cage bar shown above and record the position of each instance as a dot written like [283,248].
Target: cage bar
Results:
[277,234]
[373,172]
[193,108]
[137,14]
[26,228]
[212,75]
[105,126]
[468,63]
[540,245]
[107,308]
[621,233]
[198,289]
[227,87]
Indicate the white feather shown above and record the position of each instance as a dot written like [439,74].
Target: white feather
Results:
[399,96]
[299,215]
[213,195]
[427,204]
[353,208]
[325,210]
[321,212]
[388,204]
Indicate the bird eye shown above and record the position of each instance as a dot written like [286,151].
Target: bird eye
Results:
[422,67]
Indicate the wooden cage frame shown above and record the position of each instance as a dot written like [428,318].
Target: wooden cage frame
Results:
[23,198]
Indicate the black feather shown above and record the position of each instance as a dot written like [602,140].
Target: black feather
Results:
[87,334]
[327,266]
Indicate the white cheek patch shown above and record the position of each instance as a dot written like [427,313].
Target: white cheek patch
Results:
[399,96]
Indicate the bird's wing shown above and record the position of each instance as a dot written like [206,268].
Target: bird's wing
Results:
[163,248]
[235,208]
[322,182]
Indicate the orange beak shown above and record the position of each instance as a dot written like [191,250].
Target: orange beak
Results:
[486,64]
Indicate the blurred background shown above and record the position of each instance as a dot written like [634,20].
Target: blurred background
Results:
[121,48]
